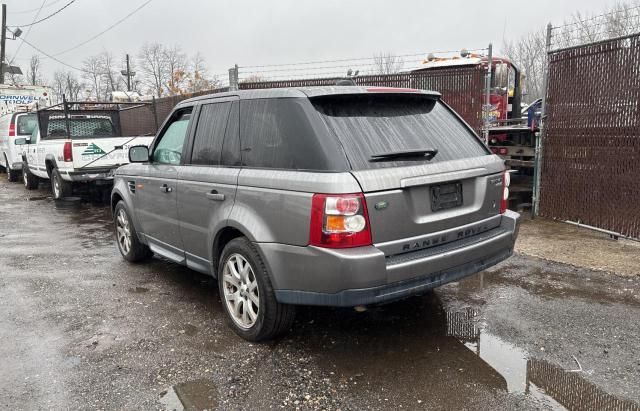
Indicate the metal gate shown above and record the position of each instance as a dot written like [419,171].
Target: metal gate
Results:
[591,165]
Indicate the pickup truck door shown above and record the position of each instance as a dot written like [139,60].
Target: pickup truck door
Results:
[156,188]
[207,182]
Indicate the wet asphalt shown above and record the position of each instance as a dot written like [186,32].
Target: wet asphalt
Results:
[82,329]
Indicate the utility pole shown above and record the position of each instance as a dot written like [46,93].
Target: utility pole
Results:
[128,74]
[3,40]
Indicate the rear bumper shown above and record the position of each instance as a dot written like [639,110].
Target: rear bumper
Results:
[98,175]
[360,276]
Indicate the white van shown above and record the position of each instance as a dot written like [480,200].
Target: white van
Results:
[13,126]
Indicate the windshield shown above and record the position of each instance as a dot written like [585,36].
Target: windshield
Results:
[82,127]
[25,124]
[376,124]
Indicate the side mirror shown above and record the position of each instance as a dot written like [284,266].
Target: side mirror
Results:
[139,154]
[20,141]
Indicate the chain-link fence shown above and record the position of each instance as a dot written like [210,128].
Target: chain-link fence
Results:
[572,390]
[591,168]
[461,87]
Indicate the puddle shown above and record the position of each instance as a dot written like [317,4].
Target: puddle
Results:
[138,290]
[38,198]
[195,395]
[413,350]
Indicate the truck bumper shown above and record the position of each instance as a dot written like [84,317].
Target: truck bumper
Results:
[364,275]
[100,176]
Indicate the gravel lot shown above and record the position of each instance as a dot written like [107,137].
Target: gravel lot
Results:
[82,329]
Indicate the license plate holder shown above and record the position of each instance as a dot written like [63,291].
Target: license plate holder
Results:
[446,196]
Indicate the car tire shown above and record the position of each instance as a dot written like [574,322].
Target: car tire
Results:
[239,298]
[127,239]
[30,181]
[12,175]
[60,188]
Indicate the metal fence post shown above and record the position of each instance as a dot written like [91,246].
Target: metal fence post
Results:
[233,78]
[155,113]
[535,209]
[487,95]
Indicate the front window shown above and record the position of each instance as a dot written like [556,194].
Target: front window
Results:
[169,148]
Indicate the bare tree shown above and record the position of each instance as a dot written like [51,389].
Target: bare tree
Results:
[34,72]
[110,77]
[529,52]
[254,78]
[176,64]
[153,66]
[92,67]
[529,55]
[387,63]
[67,83]
[199,78]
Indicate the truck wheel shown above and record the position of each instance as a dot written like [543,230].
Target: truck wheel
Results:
[249,301]
[127,239]
[12,175]
[61,188]
[30,181]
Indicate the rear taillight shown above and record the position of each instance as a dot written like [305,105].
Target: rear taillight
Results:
[504,201]
[503,151]
[12,130]
[339,221]
[67,152]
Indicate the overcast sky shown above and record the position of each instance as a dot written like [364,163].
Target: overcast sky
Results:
[269,32]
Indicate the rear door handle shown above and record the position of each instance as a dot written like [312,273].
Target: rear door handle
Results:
[165,188]
[215,196]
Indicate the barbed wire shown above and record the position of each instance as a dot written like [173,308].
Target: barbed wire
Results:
[637,7]
[347,66]
[356,59]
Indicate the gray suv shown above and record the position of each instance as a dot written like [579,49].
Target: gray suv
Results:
[334,196]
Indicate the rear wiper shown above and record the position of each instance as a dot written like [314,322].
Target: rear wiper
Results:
[429,153]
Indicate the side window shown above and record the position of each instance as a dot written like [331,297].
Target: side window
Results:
[231,146]
[207,144]
[26,124]
[169,148]
[278,133]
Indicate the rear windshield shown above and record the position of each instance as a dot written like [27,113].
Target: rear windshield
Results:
[25,124]
[82,127]
[377,124]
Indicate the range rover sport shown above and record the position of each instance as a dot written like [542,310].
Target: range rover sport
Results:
[334,196]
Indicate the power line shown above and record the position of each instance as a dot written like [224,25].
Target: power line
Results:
[105,30]
[36,9]
[50,56]
[27,33]
[48,17]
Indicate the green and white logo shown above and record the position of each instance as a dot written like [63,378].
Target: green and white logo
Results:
[92,149]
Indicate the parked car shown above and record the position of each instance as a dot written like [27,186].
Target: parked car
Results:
[336,196]
[85,149]
[14,125]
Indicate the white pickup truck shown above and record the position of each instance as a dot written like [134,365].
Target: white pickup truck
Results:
[85,148]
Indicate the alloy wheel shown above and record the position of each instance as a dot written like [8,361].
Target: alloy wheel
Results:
[241,292]
[123,231]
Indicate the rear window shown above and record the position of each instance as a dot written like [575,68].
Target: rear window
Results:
[82,127]
[25,124]
[374,124]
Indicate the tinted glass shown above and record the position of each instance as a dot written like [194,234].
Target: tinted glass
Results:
[207,144]
[278,133]
[81,127]
[169,148]
[373,124]
[26,124]
[231,146]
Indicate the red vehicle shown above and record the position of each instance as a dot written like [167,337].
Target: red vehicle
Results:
[509,133]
